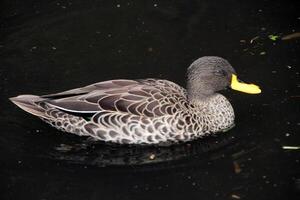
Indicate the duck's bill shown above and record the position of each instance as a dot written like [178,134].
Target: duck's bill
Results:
[244,87]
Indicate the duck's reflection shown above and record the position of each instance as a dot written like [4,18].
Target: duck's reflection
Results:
[101,155]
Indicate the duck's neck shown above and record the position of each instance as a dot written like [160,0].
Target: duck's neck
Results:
[198,91]
[199,95]
[200,98]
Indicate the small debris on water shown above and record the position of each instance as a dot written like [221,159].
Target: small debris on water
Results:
[253,39]
[242,41]
[236,167]
[54,48]
[264,176]
[273,37]
[234,196]
[287,134]
[152,157]
[33,48]
[291,36]
[262,53]
[238,154]
[291,147]
[118,5]
[289,67]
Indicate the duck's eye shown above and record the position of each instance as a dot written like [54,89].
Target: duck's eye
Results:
[221,72]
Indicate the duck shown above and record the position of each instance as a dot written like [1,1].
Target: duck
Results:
[145,111]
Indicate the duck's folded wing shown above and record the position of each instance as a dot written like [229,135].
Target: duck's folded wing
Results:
[142,97]
[105,85]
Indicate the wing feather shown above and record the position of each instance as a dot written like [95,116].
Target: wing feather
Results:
[145,97]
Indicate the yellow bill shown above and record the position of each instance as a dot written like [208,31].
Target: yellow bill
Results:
[244,87]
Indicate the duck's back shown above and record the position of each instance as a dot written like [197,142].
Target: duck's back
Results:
[121,111]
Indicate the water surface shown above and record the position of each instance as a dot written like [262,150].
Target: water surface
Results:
[52,46]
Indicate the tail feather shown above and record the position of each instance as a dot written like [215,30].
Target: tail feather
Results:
[61,120]
[29,103]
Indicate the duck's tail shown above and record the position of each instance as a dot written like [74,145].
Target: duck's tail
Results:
[30,104]
[61,120]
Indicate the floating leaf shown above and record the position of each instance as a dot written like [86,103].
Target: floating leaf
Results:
[273,37]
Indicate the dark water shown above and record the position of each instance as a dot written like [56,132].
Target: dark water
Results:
[51,46]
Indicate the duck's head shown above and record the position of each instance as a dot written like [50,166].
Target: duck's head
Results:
[210,74]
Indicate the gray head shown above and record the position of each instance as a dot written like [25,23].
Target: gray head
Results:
[208,75]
